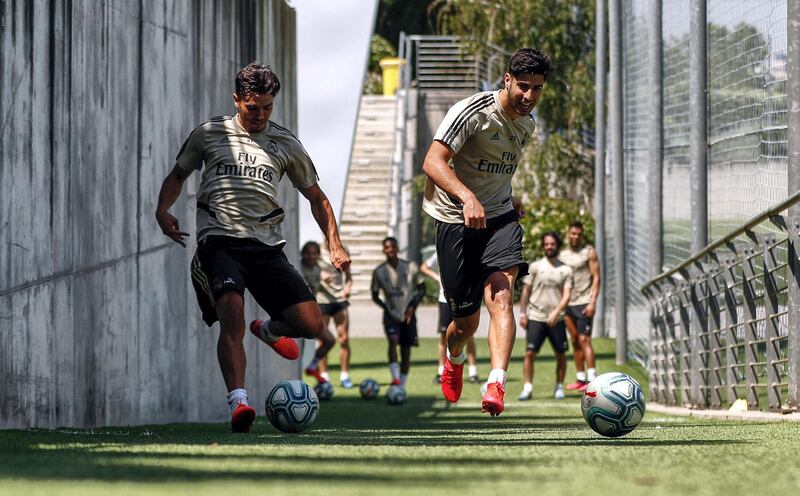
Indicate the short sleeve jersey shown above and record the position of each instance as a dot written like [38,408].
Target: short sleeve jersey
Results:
[398,285]
[433,263]
[331,283]
[238,193]
[312,277]
[579,263]
[547,285]
[487,146]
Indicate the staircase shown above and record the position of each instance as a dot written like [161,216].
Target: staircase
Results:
[364,220]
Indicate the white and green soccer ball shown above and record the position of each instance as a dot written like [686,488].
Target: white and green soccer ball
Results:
[369,389]
[324,391]
[613,404]
[395,395]
[292,406]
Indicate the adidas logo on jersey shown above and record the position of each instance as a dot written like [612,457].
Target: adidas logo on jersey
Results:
[495,137]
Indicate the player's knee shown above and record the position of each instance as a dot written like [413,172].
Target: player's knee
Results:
[230,307]
[344,340]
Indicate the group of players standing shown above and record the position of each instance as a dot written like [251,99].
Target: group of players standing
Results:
[469,167]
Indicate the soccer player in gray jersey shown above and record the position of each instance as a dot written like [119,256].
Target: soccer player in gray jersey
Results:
[582,258]
[470,163]
[240,245]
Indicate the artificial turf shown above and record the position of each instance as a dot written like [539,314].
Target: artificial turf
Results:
[424,447]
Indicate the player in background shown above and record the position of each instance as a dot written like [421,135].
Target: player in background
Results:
[239,241]
[311,271]
[582,258]
[402,287]
[545,294]
[333,294]
[470,164]
[430,268]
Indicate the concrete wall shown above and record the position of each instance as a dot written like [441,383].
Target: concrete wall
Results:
[98,322]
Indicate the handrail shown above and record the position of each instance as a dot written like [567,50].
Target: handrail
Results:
[747,226]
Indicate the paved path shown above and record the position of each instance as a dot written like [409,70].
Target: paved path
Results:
[366,321]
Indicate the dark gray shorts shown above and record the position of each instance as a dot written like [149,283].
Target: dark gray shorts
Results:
[467,257]
[406,333]
[537,332]
[582,322]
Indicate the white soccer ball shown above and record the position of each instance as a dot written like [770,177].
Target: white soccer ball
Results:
[324,391]
[292,406]
[369,389]
[613,404]
[395,395]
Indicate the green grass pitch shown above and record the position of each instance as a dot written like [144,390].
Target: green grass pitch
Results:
[426,447]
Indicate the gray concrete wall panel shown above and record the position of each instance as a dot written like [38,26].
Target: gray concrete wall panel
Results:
[99,323]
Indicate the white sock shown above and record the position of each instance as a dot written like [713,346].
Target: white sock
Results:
[580,376]
[459,359]
[237,397]
[592,374]
[441,369]
[313,364]
[394,368]
[560,385]
[473,370]
[343,376]
[264,331]
[527,387]
[325,376]
[403,380]
[497,375]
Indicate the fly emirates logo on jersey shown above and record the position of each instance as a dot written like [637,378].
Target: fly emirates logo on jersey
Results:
[507,165]
[246,167]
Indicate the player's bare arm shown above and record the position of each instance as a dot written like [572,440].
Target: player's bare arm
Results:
[562,305]
[348,284]
[436,168]
[323,214]
[169,193]
[427,271]
[524,299]
[594,268]
[516,202]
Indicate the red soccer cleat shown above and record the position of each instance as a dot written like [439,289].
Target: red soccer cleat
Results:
[577,386]
[242,418]
[493,399]
[283,346]
[316,374]
[395,382]
[452,381]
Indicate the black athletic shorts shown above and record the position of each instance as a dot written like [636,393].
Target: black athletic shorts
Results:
[467,257]
[537,332]
[582,322]
[225,263]
[333,308]
[445,317]
[406,333]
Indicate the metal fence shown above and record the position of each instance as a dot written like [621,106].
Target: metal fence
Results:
[720,328]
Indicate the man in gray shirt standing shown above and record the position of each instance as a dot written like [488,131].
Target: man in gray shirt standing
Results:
[470,163]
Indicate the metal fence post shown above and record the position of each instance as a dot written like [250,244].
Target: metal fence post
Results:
[699,340]
[615,117]
[749,305]
[771,336]
[600,163]
[793,89]
[731,330]
[655,79]
[716,344]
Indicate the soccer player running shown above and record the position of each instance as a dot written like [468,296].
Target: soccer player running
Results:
[401,284]
[546,292]
[430,268]
[582,258]
[470,163]
[331,289]
[240,244]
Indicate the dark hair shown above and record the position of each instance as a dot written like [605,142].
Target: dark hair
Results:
[529,61]
[577,224]
[390,238]
[310,244]
[554,235]
[257,79]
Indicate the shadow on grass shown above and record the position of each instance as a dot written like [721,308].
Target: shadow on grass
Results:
[422,363]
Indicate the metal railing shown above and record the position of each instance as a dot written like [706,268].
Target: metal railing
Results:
[723,322]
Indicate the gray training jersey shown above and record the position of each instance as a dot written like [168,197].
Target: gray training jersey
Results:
[238,193]
[487,146]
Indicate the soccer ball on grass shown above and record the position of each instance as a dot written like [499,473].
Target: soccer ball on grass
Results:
[613,404]
[292,406]
[395,395]
[369,389]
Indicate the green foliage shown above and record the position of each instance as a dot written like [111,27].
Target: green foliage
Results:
[379,49]
[551,214]
[411,16]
